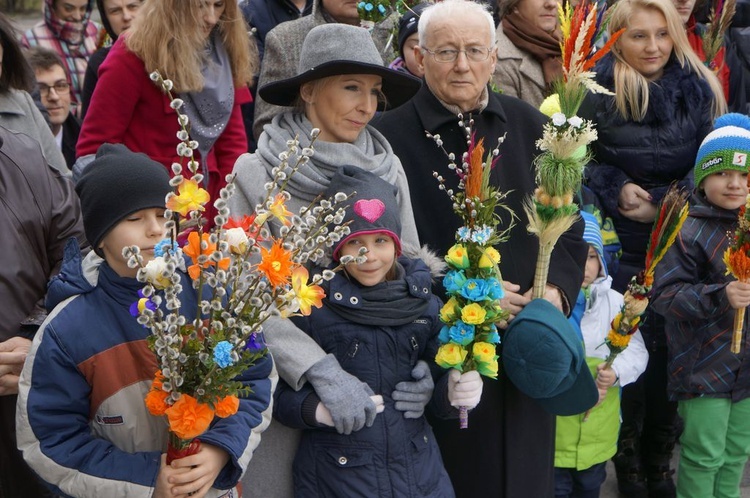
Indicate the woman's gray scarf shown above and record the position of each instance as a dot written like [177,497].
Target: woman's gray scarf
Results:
[209,109]
[370,151]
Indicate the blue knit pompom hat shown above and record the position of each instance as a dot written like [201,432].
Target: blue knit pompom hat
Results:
[725,148]
[592,234]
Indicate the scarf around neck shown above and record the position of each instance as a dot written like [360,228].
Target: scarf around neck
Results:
[386,304]
[543,46]
[70,32]
[210,108]
[370,151]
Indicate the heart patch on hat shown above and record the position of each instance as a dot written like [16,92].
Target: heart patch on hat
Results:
[369,209]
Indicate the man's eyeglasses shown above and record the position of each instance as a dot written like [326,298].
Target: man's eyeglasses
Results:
[474,54]
[61,88]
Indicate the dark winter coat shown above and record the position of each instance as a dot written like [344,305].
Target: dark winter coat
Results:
[690,291]
[511,437]
[264,15]
[396,457]
[737,41]
[652,153]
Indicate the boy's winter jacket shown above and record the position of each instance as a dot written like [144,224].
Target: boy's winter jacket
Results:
[396,457]
[689,287]
[82,421]
[578,444]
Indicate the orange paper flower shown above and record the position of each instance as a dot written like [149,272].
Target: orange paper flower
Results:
[190,197]
[476,166]
[156,402]
[247,223]
[158,381]
[187,418]
[227,406]
[276,264]
[193,250]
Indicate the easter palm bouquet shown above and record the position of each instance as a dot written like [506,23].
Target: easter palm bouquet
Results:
[559,168]
[737,259]
[719,20]
[473,283]
[241,275]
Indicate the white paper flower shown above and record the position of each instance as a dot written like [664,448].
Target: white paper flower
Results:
[558,119]
[575,122]
[237,240]
[156,273]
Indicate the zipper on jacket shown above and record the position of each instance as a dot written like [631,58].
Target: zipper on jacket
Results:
[353,349]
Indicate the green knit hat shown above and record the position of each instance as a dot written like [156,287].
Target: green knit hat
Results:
[727,147]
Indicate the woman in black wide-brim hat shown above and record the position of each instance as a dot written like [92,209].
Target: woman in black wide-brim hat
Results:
[341,83]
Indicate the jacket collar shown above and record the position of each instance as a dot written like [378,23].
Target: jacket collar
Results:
[433,115]
[10,105]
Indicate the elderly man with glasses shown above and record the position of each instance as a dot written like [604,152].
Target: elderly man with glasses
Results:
[508,449]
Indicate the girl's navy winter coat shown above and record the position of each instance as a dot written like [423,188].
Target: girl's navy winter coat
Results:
[396,457]
[651,153]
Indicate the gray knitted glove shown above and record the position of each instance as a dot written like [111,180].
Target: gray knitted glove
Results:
[345,396]
[412,397]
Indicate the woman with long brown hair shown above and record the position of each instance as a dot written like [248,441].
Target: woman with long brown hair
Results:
[203,47]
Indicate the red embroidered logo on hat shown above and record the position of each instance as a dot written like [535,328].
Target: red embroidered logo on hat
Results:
[369,209]
[740,159]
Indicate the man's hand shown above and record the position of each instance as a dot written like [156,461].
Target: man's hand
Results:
[412,397]
[551,294]
[12,355]
[513,302]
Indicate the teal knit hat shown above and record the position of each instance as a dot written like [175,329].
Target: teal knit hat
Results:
[727,147]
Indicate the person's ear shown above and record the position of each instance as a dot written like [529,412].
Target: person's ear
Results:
[419,56]
[306,92]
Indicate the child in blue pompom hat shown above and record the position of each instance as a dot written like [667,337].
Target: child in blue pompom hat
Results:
[584,443]
[698,300]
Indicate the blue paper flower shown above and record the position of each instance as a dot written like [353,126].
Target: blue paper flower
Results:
[255,342]
[223,354]
[461,333]
[142,303]
[464,233]
[361,5]
[476,289]
[495,290]
[444,336]
[453,281]
[493,337]
[482,235]
[165,244]
[381,9]
[368,7]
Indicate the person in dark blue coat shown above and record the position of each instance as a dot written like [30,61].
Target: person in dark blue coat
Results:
[649,132]
[380,320]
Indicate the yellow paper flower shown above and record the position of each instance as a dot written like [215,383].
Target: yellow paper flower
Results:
[484,352]
[550,105]
[473,314]
[190,197]
[488,369]
[448,311]
[279,211]
[458,257]
[617,340]
[450,355]
[490,257]
[307,295]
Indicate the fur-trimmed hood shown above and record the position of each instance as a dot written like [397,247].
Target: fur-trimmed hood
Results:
[678,88]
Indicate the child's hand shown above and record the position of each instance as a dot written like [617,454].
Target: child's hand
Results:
[200,473]
[162,489]
[605,377]
[323,416]
[738,294]
[464,389]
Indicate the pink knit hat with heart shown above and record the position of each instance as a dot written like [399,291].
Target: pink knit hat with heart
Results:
[372,209]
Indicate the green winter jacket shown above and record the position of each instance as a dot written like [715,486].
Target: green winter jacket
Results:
[580,445]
